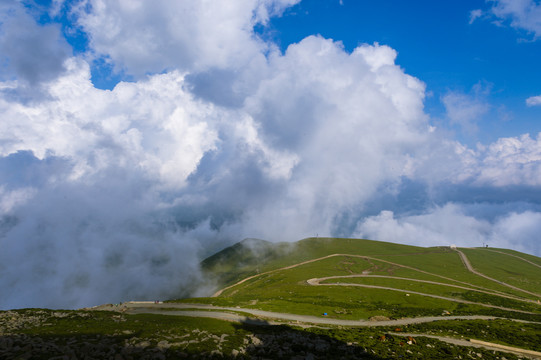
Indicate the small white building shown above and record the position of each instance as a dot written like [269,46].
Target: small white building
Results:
[453,247]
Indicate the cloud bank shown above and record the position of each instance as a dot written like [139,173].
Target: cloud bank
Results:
[453,222]
[111,195]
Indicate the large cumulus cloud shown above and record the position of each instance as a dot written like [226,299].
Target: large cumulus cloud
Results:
[110,195]
[142,37]
[342,114]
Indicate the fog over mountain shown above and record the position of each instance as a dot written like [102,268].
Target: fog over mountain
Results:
[215,135]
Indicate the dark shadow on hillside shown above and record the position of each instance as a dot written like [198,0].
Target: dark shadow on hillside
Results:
[260,341]
[266,341]
[253,339]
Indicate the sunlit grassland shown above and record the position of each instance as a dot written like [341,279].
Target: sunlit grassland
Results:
[287,290]
[449,264]
[508,269]
[525,256]
[440,290]
[346,303]
[238,262]
[318,247]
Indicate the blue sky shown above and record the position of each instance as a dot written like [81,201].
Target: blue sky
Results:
[138,137]
[437,44]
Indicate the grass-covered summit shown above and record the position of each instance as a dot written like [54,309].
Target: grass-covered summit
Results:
[360,279]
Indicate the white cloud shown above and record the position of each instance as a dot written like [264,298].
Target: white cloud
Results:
[512,161]
[441,226]
[450,224]
[353,120]
[153,124]
[77,245]
[523,14]
[143,37]
[533,100]
[475,14]
[518,231]
[465,110]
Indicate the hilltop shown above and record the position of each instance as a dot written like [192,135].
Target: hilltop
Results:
[350,278]
[316,298]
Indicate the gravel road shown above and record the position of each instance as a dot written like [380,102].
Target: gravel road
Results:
[134,307]
[470,268]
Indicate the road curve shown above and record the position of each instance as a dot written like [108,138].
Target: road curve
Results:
[314,282]
[268,318]
[219,292]
[317,281]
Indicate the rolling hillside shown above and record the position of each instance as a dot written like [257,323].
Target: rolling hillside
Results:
[360,279]
[318,298]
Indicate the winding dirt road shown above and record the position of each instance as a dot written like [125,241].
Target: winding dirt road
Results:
[470,268]
[261,317]
[315,282]
[219,292]
[269,318]
[218,312]
[465,286]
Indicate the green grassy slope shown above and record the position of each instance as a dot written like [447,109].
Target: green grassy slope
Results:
[509,269]
[448,263]
[243,259]
[528,257]
[436,271]
[251,256]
